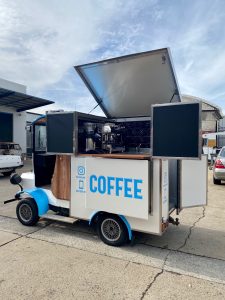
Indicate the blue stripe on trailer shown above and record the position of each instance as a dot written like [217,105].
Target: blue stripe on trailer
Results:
[40,198]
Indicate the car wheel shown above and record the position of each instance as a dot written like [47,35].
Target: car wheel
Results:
[6,174]
[216,181]
[112,230]
[27,212]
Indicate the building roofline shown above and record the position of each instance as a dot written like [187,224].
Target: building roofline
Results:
[216,107]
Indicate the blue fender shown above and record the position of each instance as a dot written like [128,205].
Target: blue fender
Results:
[121,217]
[127,225]
[40,198]
[92,217]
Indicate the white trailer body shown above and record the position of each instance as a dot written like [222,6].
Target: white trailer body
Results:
[148,208]
[113,177]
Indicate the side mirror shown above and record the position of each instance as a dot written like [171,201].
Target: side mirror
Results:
[15,179]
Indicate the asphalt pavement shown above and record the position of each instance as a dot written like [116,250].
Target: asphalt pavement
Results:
[60,261]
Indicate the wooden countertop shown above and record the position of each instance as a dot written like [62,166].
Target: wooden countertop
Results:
[119,155]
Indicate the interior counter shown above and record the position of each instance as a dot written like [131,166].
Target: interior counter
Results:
[141,156]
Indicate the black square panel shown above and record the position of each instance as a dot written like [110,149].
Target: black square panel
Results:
[176,130]
[60,133]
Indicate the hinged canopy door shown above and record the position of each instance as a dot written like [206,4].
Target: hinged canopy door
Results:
[127,86]
[194,182]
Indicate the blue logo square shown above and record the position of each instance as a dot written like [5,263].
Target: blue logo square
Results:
[81,170]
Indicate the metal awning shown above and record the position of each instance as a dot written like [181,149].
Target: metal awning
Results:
[20,101]
[127,86]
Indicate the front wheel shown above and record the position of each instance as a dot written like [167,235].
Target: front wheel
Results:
[27,212]
[112,230]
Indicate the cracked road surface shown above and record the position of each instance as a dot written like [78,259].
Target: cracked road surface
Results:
[61,261]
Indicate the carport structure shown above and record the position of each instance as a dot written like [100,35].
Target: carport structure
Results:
[19,101]
[13,106]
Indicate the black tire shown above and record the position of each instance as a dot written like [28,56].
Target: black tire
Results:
[6,174]
[112,230]
[27,212]
[216,181]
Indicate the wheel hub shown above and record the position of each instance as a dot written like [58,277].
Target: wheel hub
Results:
[25,212]
[111,230]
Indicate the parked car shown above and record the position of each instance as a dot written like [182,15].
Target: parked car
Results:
[8,148]
[9,163]
[219,167]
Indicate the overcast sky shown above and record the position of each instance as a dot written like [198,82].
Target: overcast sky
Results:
[41,41]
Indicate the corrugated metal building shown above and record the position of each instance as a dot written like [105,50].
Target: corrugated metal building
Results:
[221,124]
[221,128]
[211,113]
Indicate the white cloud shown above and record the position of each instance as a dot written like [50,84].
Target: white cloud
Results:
[41,40]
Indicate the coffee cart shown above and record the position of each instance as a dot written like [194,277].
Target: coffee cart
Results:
[127,171]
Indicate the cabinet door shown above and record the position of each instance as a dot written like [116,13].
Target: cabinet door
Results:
[194,182]
[119,186]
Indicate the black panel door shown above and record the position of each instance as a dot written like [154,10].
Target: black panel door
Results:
[176,130]
[60,133]
[6,127]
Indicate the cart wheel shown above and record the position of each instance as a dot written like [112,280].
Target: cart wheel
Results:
[216,181]
[112,230]
[27,212]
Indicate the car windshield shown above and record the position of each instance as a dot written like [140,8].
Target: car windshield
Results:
[222,153]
